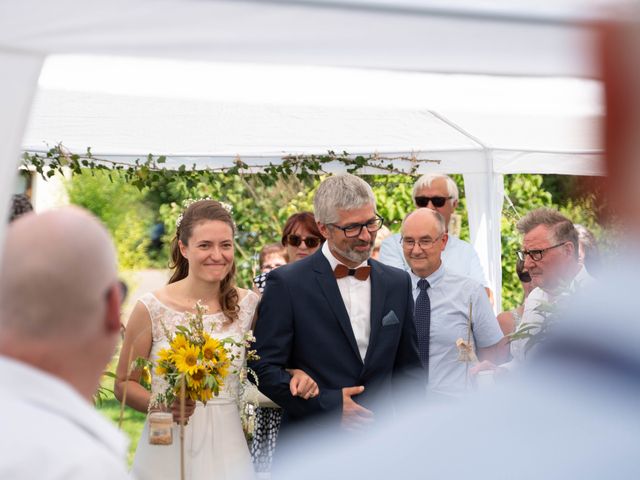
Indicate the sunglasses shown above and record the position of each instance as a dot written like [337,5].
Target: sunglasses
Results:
[437,202]
[310,242]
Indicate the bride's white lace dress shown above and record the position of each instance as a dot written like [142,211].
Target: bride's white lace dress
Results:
[215,446]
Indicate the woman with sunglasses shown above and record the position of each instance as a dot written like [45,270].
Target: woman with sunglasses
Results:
[301,238]
[511,319]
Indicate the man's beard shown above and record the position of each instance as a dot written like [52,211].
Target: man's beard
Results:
[353,255]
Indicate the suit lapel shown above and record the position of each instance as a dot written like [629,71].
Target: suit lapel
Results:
[330,289]
[378,295]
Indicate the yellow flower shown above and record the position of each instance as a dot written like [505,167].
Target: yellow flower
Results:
[210,348]
[164,356]
[195,379]
[186,359]
[179,341]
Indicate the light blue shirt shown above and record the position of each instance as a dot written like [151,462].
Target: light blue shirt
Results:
[450,296]
[458,256]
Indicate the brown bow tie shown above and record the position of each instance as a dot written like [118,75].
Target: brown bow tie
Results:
[361,273]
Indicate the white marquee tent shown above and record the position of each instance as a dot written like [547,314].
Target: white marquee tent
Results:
[510,93]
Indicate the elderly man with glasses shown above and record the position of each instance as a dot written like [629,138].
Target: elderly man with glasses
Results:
[550,255]
[344,319]
[439,193]
[444,302]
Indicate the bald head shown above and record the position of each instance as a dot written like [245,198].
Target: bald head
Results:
[425,218]
[55,273]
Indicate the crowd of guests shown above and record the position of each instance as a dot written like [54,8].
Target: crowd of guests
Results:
[337,330]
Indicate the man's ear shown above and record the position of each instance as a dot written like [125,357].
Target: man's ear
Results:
[570,249]
[445,239]
[454,203]
[324,230]
[112,316]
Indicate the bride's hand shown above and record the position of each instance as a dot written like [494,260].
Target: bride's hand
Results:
[302,385]
[189,408]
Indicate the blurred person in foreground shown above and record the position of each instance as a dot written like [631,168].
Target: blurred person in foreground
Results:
[573,413]
[344,319]
[59,325]
[449,340]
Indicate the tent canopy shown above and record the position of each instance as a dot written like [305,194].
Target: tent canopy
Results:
[476,125]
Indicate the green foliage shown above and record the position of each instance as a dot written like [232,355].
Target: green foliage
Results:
[129,199]
[260,210]
[122,209]
[523,193]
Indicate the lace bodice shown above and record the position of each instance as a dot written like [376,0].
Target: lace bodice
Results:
[215,324]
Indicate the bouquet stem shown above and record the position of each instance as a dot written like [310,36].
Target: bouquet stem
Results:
[124,388]
[182,412]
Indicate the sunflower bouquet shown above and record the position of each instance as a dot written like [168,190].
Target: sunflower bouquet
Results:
[194,358]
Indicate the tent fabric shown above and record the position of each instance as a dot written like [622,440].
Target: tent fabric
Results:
[541,124]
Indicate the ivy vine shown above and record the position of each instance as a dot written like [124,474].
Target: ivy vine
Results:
[151,171]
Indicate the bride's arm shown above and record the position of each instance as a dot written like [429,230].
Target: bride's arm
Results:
[137,343]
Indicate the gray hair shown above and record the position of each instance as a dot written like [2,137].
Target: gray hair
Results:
[561,227]
[427,179]
[341,192]
[440,222]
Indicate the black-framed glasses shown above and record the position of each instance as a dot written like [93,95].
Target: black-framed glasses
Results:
[354,229]
[437,202]
[423,243]
[296,240]
[536,255]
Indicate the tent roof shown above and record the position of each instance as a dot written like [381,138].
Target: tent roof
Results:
[212,112]
[542,37]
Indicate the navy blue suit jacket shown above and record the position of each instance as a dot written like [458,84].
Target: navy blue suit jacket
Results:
[303,323]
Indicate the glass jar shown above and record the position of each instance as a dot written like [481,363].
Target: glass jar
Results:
[160,428]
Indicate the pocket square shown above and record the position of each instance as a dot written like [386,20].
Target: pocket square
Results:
[390,319]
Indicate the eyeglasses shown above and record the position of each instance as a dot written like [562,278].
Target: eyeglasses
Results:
[536,255]
[437,202]
[354,230]
[423,243]
[296,240]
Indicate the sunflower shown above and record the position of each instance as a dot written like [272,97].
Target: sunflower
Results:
[164,358]
[186,359]
[195,379]
[210,348]
[179,341]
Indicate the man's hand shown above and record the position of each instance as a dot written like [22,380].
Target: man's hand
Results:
[353,415]
[302,385]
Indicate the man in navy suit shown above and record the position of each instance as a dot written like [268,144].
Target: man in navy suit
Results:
[344,319]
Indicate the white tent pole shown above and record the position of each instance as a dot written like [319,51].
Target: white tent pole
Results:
[18,82]
[484,209]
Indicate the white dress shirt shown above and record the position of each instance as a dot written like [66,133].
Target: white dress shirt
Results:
[356,295]
[450,296]
[50,432]
[458,256]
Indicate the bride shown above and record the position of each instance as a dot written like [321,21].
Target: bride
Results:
[204,269]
